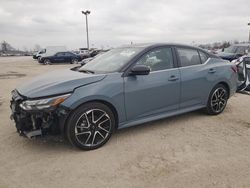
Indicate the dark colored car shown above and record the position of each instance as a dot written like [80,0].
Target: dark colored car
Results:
[61,57]
[234,52]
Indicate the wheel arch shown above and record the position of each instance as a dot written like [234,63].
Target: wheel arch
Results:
[226,85]
[108,104]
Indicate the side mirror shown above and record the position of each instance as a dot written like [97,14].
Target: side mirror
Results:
[140,70]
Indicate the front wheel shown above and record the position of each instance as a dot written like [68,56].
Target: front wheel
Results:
[90,126]
[217,100]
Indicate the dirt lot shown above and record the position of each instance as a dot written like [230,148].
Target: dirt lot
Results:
[191,150]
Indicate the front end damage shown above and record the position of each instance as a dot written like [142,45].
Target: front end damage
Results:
[32,121]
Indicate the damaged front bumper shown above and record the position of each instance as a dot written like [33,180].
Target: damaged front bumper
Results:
[32,123]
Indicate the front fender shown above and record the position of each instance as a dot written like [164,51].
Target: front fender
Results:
[109,90]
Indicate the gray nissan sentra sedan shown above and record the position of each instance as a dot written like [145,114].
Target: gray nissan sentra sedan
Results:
[124,87]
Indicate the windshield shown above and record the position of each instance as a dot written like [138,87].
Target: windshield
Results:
[231,49]
[111,61]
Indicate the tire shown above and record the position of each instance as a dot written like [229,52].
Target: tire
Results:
[74,61]
[217,100]
[47,62]
[86,132]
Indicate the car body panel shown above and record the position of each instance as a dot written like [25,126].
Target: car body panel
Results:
[109,90]
[56,82]
[197,81]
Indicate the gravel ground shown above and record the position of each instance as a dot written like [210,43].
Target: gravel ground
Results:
[192,150]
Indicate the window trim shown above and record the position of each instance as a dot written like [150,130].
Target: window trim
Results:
[157,48]
[189,48]
[199,51]
[137,58]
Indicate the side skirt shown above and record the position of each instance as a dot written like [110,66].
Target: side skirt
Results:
[158,116]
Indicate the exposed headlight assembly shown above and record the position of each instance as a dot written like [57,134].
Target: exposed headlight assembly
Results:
[45,103]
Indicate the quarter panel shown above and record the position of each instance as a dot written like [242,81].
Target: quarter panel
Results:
[197,82]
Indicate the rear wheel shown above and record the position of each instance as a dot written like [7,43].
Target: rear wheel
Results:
[217,100]
[74,61]
[90,126]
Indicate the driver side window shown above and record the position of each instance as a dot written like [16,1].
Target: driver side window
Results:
[158,59]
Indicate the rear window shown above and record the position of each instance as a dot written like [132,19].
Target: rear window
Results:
[188,57]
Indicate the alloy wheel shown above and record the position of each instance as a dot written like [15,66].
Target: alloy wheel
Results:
[219,100]
[47,62]
[93,127]
[74,61]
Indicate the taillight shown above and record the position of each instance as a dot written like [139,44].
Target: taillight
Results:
[234,68]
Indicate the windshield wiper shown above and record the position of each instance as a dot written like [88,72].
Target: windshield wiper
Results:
[86,71]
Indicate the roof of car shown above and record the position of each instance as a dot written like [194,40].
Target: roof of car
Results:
[149,45]
[145,45]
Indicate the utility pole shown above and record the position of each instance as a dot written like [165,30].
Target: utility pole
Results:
[249,34]
[87,29]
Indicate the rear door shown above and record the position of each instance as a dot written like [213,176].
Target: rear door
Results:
[69,56]
[194,76]
[157,92]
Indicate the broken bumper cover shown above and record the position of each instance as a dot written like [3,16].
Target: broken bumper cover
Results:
[31,122]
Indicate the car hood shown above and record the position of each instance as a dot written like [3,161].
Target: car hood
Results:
[56,83]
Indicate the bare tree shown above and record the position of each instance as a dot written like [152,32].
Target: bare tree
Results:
[4,46]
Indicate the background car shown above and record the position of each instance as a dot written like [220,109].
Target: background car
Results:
[86,60]
[121,88]
[61,57]
[234,52]
[243,66]
[38,54]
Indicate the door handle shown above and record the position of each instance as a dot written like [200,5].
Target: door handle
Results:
[173,78]
[212,70]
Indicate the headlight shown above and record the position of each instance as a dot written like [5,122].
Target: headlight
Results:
[43,103]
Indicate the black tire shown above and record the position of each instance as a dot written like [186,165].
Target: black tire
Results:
[87,133]
[74,61]
[47,62]
[217,100]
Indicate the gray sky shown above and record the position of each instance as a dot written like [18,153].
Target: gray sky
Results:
[116,22]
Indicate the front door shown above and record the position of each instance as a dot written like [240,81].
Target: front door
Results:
[59,57]
[157,92]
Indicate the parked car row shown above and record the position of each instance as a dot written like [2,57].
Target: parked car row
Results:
[234,51]
[59,54]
